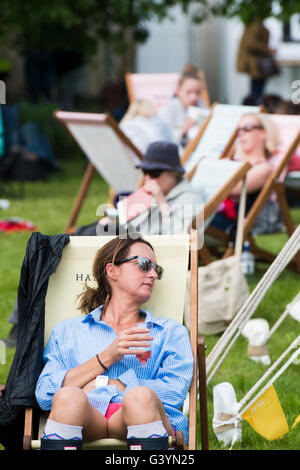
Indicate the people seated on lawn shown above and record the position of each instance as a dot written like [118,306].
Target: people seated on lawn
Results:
[142,125]
[93,381]
[176,201]
[177,114]
[25,152]
[257,140]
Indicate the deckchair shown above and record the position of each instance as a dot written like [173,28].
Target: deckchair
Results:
[174,253]
[109,151]
[289,137]
[216,134]
[158,87]
[216,178]
[99,131]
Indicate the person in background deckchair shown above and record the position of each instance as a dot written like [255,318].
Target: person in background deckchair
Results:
[177,113]
[142,125]
[93,380]
[257,141]
[173,201]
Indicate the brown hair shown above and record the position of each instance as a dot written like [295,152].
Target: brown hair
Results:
[111,252]
[190,71]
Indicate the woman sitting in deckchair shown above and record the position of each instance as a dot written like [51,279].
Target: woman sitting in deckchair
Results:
[94,380]
[257,141]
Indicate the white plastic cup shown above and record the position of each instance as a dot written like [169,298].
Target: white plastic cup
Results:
[146,354]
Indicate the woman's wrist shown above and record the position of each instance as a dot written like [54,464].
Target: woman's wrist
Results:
[101,363]
[104,360]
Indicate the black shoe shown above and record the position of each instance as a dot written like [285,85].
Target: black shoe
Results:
[155,443]
[61,444]
[11,340]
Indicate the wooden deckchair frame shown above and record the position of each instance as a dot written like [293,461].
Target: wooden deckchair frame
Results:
[198,349]
[273,183]
[90,171]
[133,95]
[209,208]
[102,119]
[212,205]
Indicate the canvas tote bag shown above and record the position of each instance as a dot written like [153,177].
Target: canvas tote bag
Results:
[222,287]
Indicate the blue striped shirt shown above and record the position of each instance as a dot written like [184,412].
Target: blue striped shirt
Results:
[168,371]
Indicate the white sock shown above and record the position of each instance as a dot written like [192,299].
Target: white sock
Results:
[54,430]
[148,430]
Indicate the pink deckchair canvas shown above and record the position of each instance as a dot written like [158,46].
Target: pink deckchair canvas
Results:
[156,87]
[288,127]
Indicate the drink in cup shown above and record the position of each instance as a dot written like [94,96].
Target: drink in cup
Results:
[145,355]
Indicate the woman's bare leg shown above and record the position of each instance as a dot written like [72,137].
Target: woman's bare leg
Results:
[141,405]
[71,406]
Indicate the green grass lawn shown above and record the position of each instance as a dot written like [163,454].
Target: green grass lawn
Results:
[48,205]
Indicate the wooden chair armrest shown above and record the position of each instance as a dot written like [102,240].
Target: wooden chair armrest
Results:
[27,438]
[202,393]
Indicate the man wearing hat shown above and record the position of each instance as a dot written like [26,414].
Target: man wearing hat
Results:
[176,201]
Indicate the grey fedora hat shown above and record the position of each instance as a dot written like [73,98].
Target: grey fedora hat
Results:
[161,156]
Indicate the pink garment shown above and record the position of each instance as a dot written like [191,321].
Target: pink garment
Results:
[295,162]
[112,408]
[16,225]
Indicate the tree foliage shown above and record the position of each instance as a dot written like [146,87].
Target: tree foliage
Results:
[79,24]
[247,10]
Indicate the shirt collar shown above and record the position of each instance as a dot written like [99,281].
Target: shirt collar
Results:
[95,316]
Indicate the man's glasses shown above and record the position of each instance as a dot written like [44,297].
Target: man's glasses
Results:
[248,128]
[144,264]
[153,173]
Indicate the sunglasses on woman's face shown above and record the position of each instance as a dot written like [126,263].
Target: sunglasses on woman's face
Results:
[248,128]
[144,264]
[153,173]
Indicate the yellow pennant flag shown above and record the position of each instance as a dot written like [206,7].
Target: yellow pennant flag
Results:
[266,415]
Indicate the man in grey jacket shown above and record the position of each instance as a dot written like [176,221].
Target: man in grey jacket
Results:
[177,202]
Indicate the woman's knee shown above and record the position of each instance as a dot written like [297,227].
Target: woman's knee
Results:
[142,396]
[69,399]
[142,405]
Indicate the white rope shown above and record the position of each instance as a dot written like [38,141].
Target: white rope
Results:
[278,323]
[243,315]
[260,289]
[282,317]
[274,378]
[238,246]
[287,253]
[222,358]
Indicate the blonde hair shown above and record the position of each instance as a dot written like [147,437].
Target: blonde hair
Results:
[272,139]
[142,108]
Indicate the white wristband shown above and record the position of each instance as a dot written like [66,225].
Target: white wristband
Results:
[101,381]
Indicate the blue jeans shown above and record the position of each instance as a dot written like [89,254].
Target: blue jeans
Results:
[257,86]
